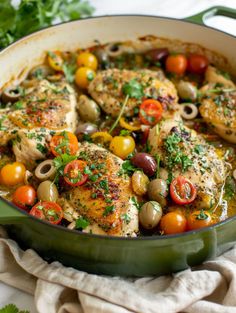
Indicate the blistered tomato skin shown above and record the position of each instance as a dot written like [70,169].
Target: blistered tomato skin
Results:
[24,196]
[173,223]
[145,162]
[13,174]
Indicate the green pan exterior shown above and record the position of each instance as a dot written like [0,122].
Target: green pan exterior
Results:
[113,255]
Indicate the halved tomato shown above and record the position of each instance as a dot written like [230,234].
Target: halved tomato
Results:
[74,173]
[182,190]
[48,211]
[64,142]
[150,112]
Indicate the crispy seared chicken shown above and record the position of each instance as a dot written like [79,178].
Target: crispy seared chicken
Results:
[45,108]
[184,152]
[106,90]
[218,104]
[106,200]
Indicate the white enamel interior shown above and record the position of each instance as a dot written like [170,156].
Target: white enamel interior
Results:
[30,51]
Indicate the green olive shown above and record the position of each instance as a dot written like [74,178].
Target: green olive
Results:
[140,183]
[158,191]
[187,91]
[45,170]
[11,94]
[150,214]
[47,191]
[41,71]
[88,109]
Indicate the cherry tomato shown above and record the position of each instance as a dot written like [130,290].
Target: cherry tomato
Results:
[64,142]
[122,146]
[55,60]
[150,112]
[24,196]
[197,63]
[83,76]
[87,59]
[173,223]
[199,219]
[48,211]
[182,190]
[176,64]
[13,174]
[74,173]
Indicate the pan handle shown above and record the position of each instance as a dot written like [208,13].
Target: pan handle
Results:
[9,214]
[201,17]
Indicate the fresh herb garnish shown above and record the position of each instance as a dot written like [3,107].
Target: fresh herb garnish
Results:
[126,218]
[41,148]
[133,89]
[69,71]
[136,203]
[127,168]
[60,162]
[31,15]
[11,308]
[124,132]
[109,209]
[81,223]
[230,188]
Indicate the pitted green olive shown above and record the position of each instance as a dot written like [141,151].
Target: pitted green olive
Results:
[140,183]
[88,109]
[11,94]
[150,214]
[158,191]
[45,170]
[47,191]
[41,71]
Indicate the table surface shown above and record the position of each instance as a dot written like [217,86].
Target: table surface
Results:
[152,7]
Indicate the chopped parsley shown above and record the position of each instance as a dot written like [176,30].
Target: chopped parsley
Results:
[127,168]
[81,223]
[11,308]
[133,89]
[230,188]
[41,148]
[109,209]
[126,218]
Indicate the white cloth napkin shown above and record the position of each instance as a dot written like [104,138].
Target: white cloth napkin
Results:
[209,288]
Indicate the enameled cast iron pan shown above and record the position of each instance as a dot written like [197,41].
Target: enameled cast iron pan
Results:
[104,254]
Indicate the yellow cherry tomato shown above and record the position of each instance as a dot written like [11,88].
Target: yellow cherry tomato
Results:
[13,174]
[55,60]
[87,59]
[122,146]
[132,126]
[84,76]
[101,137]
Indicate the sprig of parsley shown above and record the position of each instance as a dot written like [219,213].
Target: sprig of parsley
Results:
[133,89]
[11,308]
[32,15]
[60,162]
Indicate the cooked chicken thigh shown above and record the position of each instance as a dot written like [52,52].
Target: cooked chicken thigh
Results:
[105,200]
[45,109]
[106,90]
[184,152]
[218,104]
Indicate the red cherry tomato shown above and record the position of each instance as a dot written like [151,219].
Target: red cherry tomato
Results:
[173,223]
[176,64]
[24,196]
[199,219]
[150,112]
[64,142]
[182,190]
[48,211]
[197,63]
[74,173]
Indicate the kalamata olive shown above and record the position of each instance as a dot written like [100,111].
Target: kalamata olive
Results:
[146,162]
[187,91]
[41,71]
[140,183]
[158,191]
[150,214]
[47,191]
[45,170]
[86,128]
[102,57]
[188,111]
[157,55]
[11,94]
[88,109]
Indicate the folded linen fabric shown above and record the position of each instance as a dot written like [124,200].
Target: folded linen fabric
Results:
[209,288]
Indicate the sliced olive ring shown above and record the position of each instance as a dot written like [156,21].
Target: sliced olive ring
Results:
[114,50]
[41,71]
[11,94]
[189,111]
[45,170]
